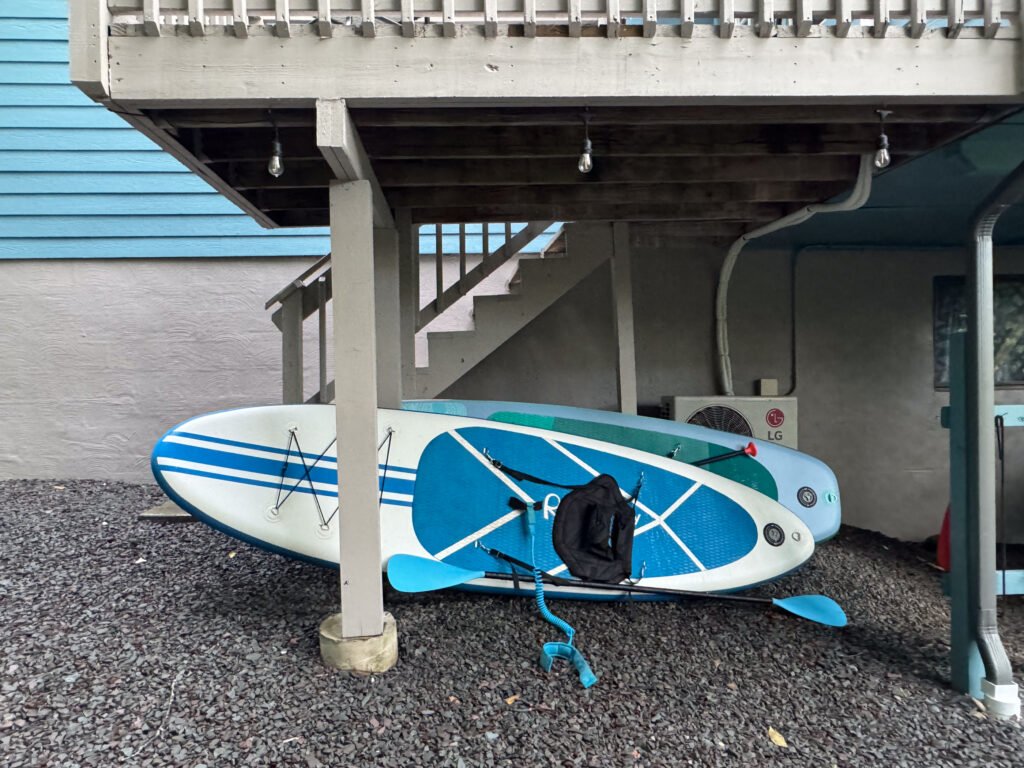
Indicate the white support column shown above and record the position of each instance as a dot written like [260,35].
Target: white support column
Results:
[409,296]
[622,292]
[355,394]
[386,275]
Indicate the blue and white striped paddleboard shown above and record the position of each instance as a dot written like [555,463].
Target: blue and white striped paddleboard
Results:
[268,476]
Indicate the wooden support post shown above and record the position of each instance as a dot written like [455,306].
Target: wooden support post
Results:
[321,326]
[87,42]
[292,390]
[409,295]
[355,366]
[386,275]
[622,290]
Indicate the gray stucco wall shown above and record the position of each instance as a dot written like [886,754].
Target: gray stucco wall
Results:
[99,358]
[867,402]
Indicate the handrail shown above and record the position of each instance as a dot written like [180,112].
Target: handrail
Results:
[572,18]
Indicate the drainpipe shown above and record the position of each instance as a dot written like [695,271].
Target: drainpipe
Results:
[1001,693]
[859,196]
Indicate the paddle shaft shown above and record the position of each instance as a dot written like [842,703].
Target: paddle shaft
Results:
[628,588]
[722,457]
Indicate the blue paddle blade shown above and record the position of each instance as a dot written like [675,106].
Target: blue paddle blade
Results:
[819,608]
[408,573]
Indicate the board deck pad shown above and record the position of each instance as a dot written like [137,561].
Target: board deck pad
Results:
[268,476]
[803,484]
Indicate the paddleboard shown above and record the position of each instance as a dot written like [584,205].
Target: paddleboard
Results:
[268,476]
[801,483]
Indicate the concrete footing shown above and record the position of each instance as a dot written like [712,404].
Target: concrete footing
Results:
[366,655]
[168,512]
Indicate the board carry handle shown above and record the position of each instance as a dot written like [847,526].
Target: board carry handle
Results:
[748,450]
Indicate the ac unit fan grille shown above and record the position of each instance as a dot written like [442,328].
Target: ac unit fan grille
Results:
[722,418]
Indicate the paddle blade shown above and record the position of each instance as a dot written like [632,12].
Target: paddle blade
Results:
[819,608]
[408,573]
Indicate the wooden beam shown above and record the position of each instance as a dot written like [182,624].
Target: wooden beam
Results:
[87,45]
[712,114]
[675,170]
[339,142]
[610,194]
[640,141]
[759,212]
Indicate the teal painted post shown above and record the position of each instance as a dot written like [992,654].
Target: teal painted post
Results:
[966,667]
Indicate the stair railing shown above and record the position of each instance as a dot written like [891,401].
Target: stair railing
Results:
[310,292]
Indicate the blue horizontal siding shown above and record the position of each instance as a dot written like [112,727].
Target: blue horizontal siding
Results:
[163,247]
[33,29]
[198,203]
[38,95]
[116,139]
[100,183]
[47,51]
[31,73]
[85,116]
[76,181]
[107,162]
[173,225]
[34,9]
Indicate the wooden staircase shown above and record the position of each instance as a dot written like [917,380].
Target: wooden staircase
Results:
[462,320]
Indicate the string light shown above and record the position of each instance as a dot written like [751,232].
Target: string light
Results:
[275,166]
[882,156]
[586,161]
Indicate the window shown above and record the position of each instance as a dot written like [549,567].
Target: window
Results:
[950,306]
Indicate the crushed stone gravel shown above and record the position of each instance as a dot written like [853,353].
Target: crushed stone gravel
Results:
[128,642]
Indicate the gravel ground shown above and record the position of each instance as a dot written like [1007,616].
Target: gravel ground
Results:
[135,643]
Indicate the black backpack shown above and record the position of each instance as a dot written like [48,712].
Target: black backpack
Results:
[593,532]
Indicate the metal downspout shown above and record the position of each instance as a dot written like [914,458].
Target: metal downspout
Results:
[1001,694]
[859,196]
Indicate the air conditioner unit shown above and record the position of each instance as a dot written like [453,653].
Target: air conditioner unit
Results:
[765,418]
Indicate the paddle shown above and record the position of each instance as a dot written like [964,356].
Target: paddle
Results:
[408,573]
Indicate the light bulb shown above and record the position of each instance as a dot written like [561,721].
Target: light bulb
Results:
[586,161]
[275,166]
[882,158]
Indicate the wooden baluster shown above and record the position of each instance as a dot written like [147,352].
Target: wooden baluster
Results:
[844,17]
[448,13]
[650,17]
[687,16]
[439,266]
[881,17]
[765,18]
[490,18]
[196,18]
[321,322]
[956,18]
[575,18]
[530,18]
[993,17]
[323,19]
[462,251]
[369,19]
[804,17]
[240,17]
[151,17]
[282,19]
[408,19]
[726,18]
[614,18]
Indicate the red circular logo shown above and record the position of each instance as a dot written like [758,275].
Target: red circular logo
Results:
[775,417]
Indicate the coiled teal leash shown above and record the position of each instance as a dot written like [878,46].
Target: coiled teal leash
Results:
[555,650]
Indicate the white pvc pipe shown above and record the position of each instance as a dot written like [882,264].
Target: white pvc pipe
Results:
[858,196]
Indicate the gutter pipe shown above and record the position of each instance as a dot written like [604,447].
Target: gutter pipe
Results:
[858,196]
[1001,693]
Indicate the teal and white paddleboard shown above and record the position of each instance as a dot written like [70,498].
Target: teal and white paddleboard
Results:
[801,483]
[268,476]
